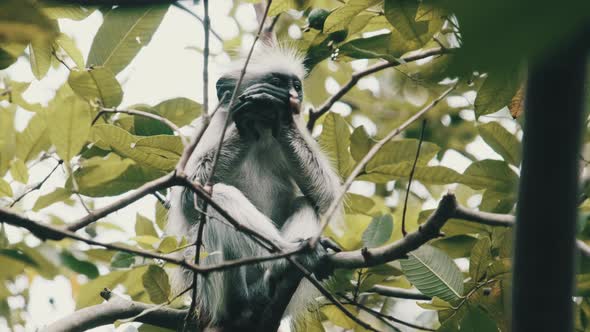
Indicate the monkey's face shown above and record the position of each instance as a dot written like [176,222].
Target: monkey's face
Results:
[267,101]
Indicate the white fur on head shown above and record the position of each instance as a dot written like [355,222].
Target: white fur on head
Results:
[271,58]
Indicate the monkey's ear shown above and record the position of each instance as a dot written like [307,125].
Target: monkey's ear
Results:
[225,84]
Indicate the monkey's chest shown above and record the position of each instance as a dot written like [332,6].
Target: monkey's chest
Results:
[264,179]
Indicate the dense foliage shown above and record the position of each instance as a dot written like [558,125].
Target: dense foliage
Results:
[69,153]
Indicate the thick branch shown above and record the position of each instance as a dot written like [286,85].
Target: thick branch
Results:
[116,308]
[314,115]
[448,208]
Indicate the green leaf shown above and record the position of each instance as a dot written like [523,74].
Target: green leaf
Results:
[380,46]
[477,320]
[55,10]
[340,18]
[161,151]
[89,293]
[133,177]
[337,317]
[69,46]
[480,258]
[58,195]
[182,111]
[21,21]
[69,126]
[97,83]
[360,143]
[358,204]
[80,266]
[40,55]
[155,282]
[494,175]
[401,14]
[124,31]
[34,139]
[161,215]
[403,151]
[433,273]
[144,226]
[335,139]
[427,174]
[502,141]
[122,260]
[455,246]
[496,92]
[5,189]
[19,171]
[7,139]
[96,171]
[379,231]
[168,244]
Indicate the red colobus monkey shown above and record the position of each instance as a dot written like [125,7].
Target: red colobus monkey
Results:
[271,176]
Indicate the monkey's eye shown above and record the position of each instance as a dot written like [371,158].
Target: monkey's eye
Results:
[275,81]
[297,85]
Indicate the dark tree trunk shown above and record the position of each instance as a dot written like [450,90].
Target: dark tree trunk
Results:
[543,281]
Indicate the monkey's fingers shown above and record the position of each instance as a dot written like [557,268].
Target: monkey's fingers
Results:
[328,243]
[277,92]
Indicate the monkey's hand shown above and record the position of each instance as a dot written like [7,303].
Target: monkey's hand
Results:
[261,106]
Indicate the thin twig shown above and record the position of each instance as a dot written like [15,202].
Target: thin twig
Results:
[50,232]
[236,89]
[37,186]
[411,177]
[203,219]
[381,316]
[325,107]
[361,165]
[307,275]
[190,12]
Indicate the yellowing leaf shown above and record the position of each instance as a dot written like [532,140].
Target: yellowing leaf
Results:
[5,189]
[58,195]
[40,52]
[144,226]
[34,139]
[69,46]
[97,83]
[7,139]
[69,126]
[19,171]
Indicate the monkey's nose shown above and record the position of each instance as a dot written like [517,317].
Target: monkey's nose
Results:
[294,103]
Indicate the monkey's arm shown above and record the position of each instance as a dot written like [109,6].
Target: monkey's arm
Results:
[311,169]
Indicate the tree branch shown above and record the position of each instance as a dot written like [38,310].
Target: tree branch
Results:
[116,308]
[37,186]
[399,293]
[315,115]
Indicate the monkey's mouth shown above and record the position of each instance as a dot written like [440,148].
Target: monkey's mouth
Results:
[294,104]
